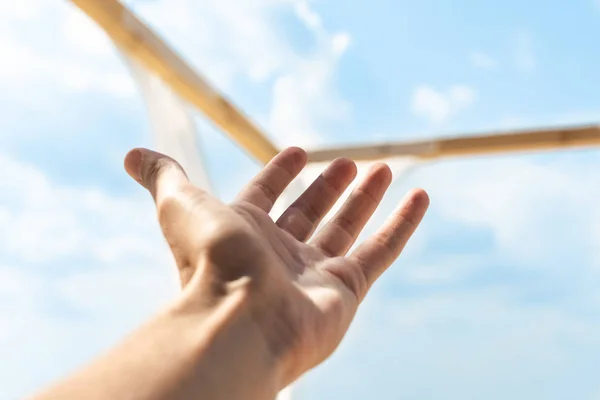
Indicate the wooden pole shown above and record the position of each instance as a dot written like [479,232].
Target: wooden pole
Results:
[140,42]
[524,141]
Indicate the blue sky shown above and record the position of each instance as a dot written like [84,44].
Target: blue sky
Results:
[495,297]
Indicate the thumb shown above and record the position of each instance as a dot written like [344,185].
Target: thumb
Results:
[164,178]
[159,174]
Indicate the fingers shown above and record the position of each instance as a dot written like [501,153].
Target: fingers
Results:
[339,234]
[268,185]
[378,252]
[159,174]
[305,214]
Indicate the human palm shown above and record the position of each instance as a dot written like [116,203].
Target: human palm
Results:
[301,294]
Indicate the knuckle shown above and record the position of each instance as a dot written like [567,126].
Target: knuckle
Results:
[345,223]
[386,241]
[366,196]
[313,210]
[267,190]
[152,170]
[406,220]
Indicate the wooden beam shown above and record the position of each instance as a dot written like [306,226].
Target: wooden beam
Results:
[524,141]
[140,42]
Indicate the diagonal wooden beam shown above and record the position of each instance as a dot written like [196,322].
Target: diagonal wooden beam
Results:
[523,141]
[136,39]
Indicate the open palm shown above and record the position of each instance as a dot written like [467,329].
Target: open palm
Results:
[301,294]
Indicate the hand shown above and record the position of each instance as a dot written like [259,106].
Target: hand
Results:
[301,295]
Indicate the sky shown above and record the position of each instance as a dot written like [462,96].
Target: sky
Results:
[497,295]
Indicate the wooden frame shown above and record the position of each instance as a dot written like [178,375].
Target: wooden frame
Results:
[140,42]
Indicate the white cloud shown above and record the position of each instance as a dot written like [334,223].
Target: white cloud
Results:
[301,100]
[84,36]
[340,43]
[491,308]
[304,97]
[441,273]
[534,210]
[251,46]
[310,18]
[483,61]
[23,10]
[43,223]
[226,40]
[525,59]
[437,106]
[87,267]
[84,62]
[473,343]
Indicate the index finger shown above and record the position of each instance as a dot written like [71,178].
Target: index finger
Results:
[271,181]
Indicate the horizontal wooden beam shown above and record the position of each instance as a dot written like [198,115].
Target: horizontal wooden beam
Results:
[524,141]
[141,43]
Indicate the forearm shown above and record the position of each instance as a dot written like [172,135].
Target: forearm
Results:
[181,354]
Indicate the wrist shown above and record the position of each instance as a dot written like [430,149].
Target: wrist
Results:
[232,358]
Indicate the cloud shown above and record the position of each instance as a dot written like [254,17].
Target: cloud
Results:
[439,273]
[223,39]
[525,59]
[85,267]
[84,63]
[251,46]
[482,60]
[42,222]
[437,106]
[303,100]
[467,342]
[21,10]
[311,19]
[520,201]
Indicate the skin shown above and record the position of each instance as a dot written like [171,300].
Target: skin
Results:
[262,301]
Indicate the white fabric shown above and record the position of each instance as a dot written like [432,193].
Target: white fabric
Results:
[172,123]
[285,394]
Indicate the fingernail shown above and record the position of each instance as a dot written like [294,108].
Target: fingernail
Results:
[133,165]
